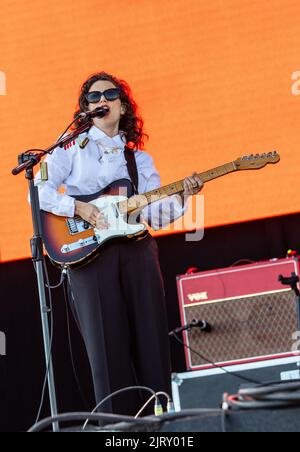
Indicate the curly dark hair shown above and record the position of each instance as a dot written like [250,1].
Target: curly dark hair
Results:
[130,123]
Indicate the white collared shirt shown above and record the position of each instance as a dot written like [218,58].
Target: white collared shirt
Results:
[89,170]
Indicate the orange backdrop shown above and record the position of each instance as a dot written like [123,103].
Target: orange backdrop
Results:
[215,80]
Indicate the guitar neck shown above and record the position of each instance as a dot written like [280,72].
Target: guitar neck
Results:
[139,202]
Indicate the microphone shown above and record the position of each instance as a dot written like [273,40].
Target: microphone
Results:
[201,324]
[99,112]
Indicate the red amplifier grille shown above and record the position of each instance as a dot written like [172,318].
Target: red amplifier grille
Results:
[243,328]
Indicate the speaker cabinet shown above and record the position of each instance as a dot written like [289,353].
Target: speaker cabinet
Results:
[253,317]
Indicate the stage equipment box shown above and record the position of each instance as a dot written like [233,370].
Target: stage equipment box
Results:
[252,315]
[205,388]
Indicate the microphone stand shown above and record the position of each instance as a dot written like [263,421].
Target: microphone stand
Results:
[201,324]
[293,281]
[27,162]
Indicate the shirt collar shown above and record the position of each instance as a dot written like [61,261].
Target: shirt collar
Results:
[98,135]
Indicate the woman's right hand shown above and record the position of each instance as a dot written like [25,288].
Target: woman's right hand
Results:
[91,214]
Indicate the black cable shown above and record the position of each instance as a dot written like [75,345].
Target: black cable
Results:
[62,278]
[82,396]
[67,128]
[69,294]
[49,287]
[269,396]
[270,388]
[145,421]
[73,298]
[189,412]
[67,417]
[187,415]
[256,405]
[119,391]
[216,366]
[61,283]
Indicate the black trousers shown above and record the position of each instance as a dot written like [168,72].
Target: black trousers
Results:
[119,304]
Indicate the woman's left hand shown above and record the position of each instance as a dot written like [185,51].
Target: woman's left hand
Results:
[192,185]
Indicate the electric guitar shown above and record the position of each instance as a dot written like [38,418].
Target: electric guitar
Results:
[73,242]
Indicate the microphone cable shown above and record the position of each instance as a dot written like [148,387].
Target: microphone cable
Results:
[216,366]
[157,407]
[119,391]
[267,396]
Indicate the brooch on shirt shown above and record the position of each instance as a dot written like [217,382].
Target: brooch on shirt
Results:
[107,149]
[114,150]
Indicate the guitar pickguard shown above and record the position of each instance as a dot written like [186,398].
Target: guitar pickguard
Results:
[118,227]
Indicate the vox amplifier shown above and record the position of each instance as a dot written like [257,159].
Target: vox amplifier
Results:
[252,315]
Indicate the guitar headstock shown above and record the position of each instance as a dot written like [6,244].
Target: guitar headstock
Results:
[257,161]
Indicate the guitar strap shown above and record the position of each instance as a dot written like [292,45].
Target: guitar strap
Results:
[132,168]
[133,174]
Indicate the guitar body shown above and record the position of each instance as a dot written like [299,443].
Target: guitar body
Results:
[74,242]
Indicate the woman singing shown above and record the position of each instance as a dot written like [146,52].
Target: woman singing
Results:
[118,298]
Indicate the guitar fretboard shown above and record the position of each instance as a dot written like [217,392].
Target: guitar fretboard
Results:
[139,202]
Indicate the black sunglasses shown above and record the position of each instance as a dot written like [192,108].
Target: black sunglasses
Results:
[110,94]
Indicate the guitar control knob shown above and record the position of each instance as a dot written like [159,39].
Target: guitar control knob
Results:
[65,249]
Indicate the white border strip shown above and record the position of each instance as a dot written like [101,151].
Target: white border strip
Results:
[191,304]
